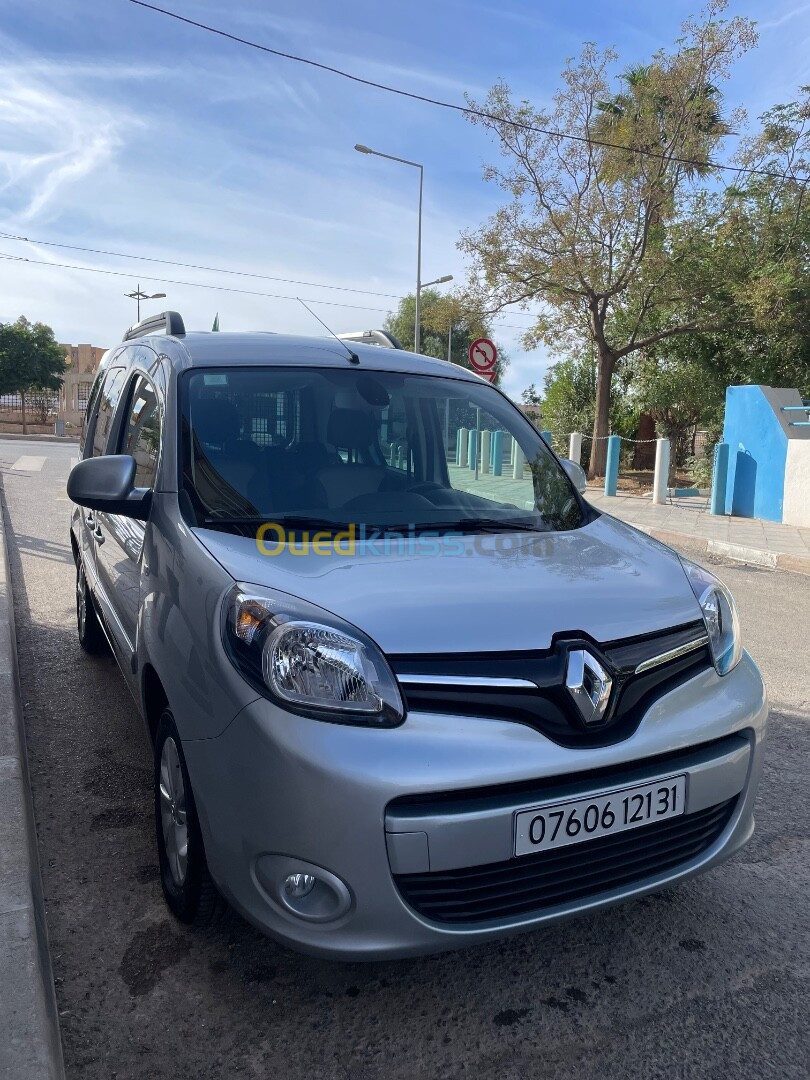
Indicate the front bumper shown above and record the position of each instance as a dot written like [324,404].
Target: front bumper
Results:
[345,799]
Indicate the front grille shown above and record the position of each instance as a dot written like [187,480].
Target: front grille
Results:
[527,885]
[547,706]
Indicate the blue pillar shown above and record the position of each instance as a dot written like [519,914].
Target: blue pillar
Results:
[547,436]
[719,479]
[458,447]
[497,453]
[472,456]
[612,468]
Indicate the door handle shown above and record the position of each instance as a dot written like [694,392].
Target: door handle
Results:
[98,535]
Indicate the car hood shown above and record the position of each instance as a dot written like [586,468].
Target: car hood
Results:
[606,580]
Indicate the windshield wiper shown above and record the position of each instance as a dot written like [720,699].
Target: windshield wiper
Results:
[367,530]
[293,522]
[481,525]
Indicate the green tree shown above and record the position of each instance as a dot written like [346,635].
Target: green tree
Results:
[31,360]
[675,384]
[763,246]
[439,313]
[753,265]
[588,228]
[568,400]
[568,404]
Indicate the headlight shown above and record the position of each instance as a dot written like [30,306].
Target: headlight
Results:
[308,660]
[719,615]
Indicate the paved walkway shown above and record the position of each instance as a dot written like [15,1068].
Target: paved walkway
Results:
[687,522]
[684,522]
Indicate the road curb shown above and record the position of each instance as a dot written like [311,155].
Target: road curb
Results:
[39,438]
[701,545]
[30,1046]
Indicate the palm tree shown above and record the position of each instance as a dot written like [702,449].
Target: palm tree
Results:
[648,120]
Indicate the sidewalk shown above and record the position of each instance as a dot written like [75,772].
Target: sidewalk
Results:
[29,1028]
[686,522]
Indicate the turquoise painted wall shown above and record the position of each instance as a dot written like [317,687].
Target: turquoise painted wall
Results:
[757,455]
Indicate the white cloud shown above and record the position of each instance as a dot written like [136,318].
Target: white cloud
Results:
[771,24]
[49,138]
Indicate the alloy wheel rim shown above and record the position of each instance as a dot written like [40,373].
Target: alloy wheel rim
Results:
[173,811]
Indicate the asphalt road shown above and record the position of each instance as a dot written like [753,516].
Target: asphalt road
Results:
[708,980]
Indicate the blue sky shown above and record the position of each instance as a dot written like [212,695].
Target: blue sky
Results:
[121,129]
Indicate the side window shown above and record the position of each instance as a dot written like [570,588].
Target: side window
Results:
[141,434]
[90,410]
[99,427]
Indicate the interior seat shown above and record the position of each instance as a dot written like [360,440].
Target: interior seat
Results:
[216,425]
[355,431]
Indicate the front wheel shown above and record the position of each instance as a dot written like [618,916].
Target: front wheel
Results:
[91,636]
[187,885]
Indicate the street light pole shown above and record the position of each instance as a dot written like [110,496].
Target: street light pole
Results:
[137,296]
[419,286]
[417,329]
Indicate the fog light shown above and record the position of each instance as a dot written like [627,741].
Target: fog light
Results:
[302,889]
[297,886]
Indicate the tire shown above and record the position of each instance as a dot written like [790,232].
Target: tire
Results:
[91,636]
[187,886]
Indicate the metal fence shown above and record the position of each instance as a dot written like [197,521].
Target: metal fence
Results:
[41,409]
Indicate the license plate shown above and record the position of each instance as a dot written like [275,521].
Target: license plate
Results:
[557,825]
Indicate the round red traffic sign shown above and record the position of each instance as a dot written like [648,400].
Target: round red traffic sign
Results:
[483,354]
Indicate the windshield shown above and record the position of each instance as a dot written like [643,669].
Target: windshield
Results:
[384,450]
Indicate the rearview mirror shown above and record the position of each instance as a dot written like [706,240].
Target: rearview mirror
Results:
[108,484]
[576,474]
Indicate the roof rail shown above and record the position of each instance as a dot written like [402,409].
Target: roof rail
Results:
[168,322]
[372,337]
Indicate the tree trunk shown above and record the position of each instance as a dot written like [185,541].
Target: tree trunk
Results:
[601,421]
[22,402]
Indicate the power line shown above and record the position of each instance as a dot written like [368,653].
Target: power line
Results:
[218,288]
[466,109]
[195,266]
[198,266]
[189,284]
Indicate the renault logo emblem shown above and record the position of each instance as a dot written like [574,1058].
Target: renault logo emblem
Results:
[588,684]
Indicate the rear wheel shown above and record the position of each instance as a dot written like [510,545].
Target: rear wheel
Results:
[187,885]
[91,636]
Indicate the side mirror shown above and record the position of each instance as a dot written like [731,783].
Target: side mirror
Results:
[576,474]
[108,484]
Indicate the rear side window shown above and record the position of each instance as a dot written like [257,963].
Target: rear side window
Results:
[141,435]
[90,410]
[99,427]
